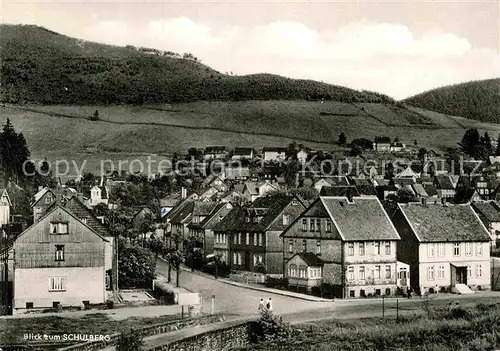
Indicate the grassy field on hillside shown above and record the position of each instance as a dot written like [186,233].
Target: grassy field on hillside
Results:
[124,132]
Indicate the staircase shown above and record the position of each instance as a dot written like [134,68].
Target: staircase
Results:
[461,289]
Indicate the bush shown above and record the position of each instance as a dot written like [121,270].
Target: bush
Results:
[270,327]
[276,283]
[131,341]
[110,304]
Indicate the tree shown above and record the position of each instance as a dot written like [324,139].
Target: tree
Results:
[14,152]
[95,116]
[486,141]
[342,139]
[497,151]
[137,267]
[470,140]
[363,143]
[421,153]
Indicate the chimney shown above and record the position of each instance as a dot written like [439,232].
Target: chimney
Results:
[183,193]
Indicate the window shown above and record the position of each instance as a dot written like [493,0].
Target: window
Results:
[430,273]
[304,225]
[302,271]
[255,259]
[441,249]
[468,249]
[59,252]
[217,238]
[318,224]
[59,228]
[350,249]
[84,220]
[318,247]
[352,293]
[55,304]
[456,249]
[38,210]
[431,250]
[256,219]
[292,270]
[441,272]
[57,284]
[388,272]
[362,272]
[48,199]
[239,259]
[388,248]
[377,272]
[376,248]
[239,238]
[235,241]
[290,246]
[328,226]
[469,271]
[361,249]
[479,249]
[255,239]
[286,219]
[235,258]
[311,225]
[304,245]
[350,273]
[247,219]
[479,271]
[260,239]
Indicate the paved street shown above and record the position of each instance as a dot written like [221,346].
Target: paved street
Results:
[233,300]
[237,301]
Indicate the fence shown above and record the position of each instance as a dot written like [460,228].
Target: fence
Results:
[249,278]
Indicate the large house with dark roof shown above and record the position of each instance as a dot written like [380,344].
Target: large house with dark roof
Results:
[354,242]
[489,213]
[447,247]
[253,232]
[202,226]
[59,260]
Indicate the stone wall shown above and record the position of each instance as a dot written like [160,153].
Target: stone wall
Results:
[147,331]
[221,338]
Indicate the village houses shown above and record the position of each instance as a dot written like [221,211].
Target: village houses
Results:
[446,246]
[348,243]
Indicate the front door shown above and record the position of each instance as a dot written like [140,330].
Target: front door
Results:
[248,263]
[461,275]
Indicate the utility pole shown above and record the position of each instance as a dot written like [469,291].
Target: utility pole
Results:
[383,306]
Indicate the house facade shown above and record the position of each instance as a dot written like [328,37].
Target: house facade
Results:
[489,213]
[58,260]
[254,238]
[5,205]
[243,153]
[44,199]
[354,240]
[273,154]
[254,190]
[446,246]
[98,195]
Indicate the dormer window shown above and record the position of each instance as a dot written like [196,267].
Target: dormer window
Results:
[247,219]
[59,228]
[84,220]
[256,219]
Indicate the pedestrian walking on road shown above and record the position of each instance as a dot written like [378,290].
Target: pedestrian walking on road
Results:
[262,305]
[269,305]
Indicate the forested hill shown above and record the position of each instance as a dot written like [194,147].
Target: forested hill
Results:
[41,66]
[479,100]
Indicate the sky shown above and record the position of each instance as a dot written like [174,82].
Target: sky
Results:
[399,48]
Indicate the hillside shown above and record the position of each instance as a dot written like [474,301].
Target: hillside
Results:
[479,100]
[40,66]
[126,133]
